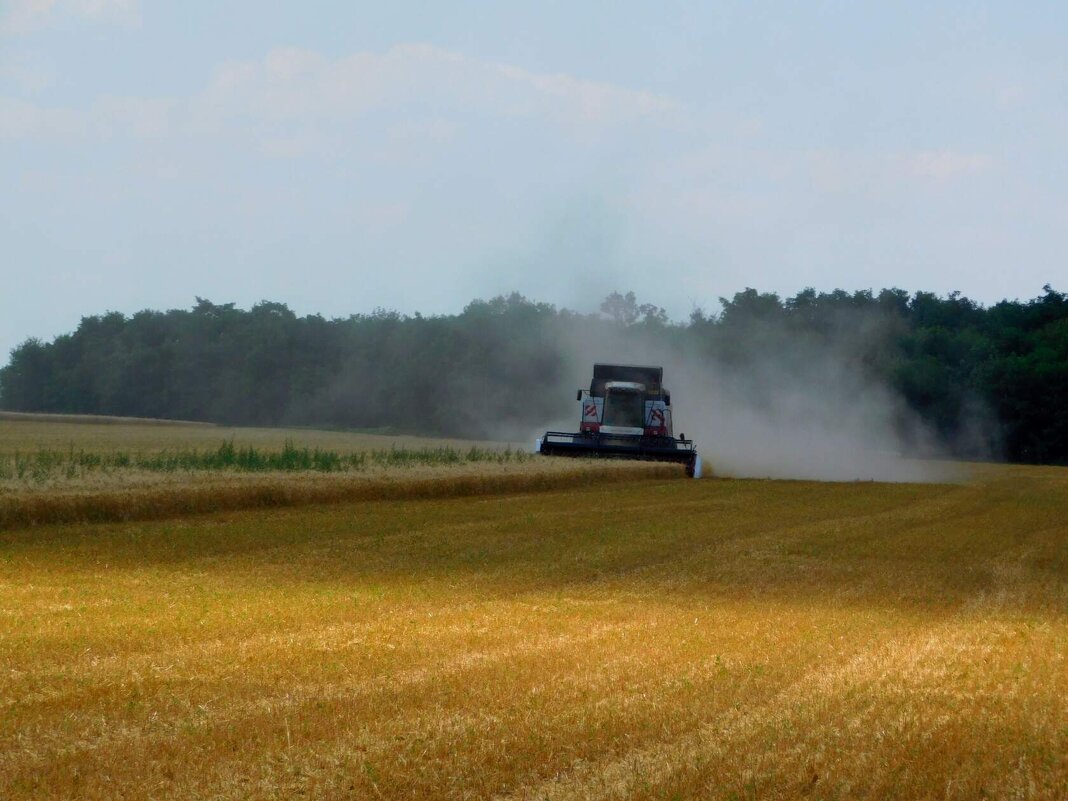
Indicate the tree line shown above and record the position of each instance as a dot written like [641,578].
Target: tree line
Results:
[508,364]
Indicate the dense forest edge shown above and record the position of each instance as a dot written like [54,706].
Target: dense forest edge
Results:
[986,381]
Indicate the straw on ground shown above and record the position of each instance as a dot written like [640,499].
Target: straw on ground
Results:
[656,639]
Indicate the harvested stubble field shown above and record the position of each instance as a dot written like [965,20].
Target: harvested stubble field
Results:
[657,638]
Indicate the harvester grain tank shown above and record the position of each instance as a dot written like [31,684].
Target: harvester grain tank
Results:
[626,414]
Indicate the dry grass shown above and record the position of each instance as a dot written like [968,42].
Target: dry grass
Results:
[666,639]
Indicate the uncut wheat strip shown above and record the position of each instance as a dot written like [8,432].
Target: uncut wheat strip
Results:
[22,511]
[68,478]
[295,696]
[61,468]
[916,660]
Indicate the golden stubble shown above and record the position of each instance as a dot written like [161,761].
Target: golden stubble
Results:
[647,639]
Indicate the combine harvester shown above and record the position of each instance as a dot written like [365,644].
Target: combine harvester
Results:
[625,414]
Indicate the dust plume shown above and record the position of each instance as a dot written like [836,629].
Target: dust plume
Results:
[773,405]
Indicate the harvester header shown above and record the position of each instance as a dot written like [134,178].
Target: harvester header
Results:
[626,413]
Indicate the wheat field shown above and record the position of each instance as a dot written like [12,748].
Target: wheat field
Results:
[68,471]
[641,638]
[28,432]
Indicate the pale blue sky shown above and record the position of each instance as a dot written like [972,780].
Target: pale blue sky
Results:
[343,156]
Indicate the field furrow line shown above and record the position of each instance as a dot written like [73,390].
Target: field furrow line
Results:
[292,697]
[652,766]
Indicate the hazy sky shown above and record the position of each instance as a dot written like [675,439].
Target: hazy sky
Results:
[415,155]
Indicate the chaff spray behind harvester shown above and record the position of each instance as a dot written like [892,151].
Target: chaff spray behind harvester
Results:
[626,413]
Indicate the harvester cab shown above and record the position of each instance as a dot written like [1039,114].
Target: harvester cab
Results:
[626,414]
[623,408]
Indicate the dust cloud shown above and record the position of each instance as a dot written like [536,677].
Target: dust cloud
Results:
[803,412]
